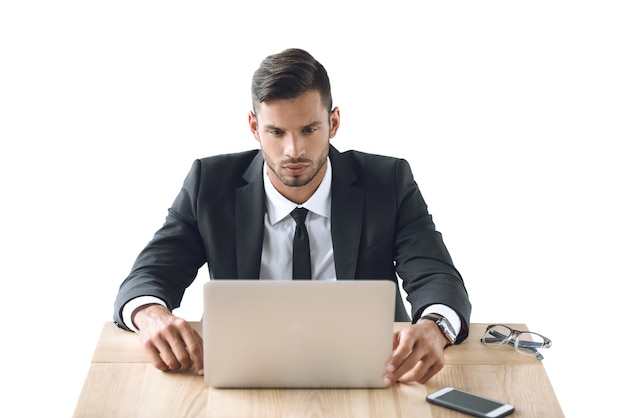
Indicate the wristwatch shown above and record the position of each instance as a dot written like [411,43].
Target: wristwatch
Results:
[445,327]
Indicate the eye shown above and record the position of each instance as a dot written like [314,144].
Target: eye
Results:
[276,132]
[309,130]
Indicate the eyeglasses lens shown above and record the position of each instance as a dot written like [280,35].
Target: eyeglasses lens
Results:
[496,335]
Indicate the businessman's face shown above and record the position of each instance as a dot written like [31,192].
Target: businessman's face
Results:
[294,136]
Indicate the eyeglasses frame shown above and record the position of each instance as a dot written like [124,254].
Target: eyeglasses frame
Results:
[513,340]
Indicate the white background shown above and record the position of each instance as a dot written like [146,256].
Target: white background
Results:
[512,115]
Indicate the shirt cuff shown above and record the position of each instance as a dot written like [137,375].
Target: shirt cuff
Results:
[449,313]
[130,307]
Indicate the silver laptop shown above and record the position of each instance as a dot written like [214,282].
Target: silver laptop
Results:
[297,334]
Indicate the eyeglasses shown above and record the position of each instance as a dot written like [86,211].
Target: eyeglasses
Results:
[525,342]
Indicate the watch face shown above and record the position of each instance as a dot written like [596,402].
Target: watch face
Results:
[444,325]
[446,328]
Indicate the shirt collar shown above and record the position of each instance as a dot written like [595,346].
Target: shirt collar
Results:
[278,206]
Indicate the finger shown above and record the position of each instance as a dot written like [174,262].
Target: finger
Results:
[404,368]
[182,357]
[161,354]
[193,347]
[169,346]
[433,370]
[396,340]
[403,347]
[413,361]
[186,345]
[421,373]
[155,357]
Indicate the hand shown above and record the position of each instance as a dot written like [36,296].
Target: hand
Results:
[170,341]
[417,353]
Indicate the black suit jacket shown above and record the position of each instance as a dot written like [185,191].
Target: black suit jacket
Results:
[380,226]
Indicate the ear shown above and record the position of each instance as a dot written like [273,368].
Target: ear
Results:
[334,122]
[254,125]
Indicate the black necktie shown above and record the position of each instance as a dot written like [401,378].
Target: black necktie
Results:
[301,252]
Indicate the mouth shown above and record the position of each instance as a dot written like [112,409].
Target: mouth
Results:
[296,169]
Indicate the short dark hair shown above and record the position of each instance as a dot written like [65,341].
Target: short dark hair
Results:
[289,74]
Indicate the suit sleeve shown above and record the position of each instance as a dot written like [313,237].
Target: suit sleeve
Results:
[170,261]
[422,259]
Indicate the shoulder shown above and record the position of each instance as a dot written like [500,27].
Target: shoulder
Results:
[232,161]
[224,170]
[364,163]
[227,166]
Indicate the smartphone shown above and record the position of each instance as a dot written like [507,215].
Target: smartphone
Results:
[469,403]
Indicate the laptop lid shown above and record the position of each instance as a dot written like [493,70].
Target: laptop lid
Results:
[297,334]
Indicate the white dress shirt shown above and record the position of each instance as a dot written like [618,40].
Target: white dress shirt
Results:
[277,254]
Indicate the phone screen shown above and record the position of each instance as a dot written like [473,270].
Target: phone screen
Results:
[469,403]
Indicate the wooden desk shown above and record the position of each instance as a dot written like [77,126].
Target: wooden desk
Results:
[122,383]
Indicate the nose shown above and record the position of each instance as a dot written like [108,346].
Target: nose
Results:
[294,146]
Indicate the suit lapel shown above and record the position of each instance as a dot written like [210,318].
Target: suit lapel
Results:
[346,216]
[249,215]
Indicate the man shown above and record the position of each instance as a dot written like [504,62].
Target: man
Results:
[366,220]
